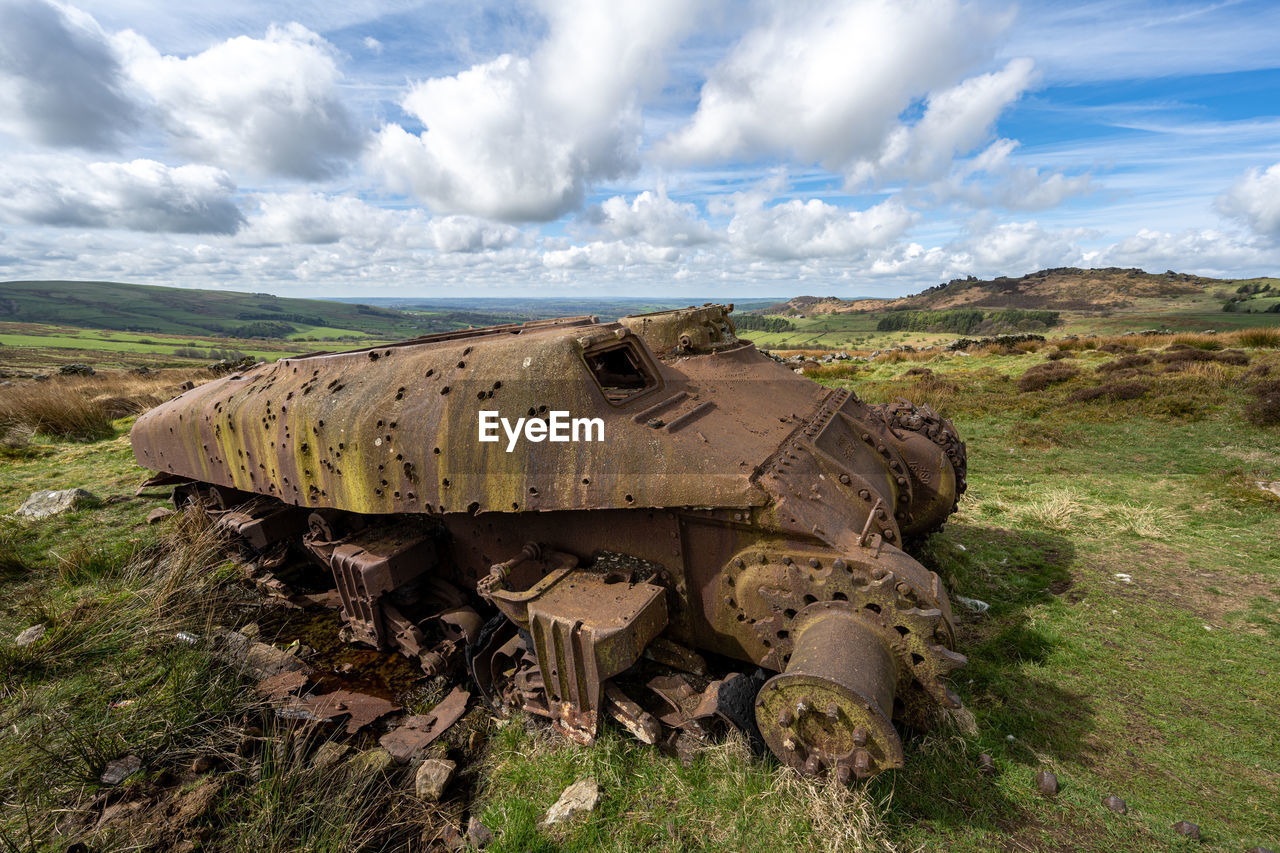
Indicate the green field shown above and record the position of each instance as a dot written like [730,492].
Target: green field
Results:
[1130,562]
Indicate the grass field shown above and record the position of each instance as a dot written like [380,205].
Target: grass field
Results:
[1114,525]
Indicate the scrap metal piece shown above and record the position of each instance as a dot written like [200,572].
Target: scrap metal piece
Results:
[420,731]
[360,709]
[630,715]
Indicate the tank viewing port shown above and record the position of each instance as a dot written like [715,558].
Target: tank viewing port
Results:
[830,711]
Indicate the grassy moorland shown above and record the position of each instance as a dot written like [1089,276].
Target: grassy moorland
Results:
[1114,526]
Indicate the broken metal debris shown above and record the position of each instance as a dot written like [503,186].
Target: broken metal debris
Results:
[737,509]
[419,731]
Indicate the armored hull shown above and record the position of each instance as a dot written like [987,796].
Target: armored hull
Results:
[667,491]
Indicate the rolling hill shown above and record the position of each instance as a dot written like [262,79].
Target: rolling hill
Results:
[1060,289]
[171,310]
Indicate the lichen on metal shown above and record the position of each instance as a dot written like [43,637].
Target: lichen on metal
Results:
[732,508]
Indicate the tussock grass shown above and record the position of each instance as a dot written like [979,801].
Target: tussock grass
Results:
[82,408]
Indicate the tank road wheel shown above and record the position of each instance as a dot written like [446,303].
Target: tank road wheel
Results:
[831,709]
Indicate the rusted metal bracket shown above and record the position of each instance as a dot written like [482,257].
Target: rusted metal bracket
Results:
[585,629]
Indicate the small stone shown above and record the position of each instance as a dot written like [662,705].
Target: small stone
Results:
[1187,829]
[329,754]
[376,760]
[581,797]
[45,503]
[1047,783]
[159,514]
[1116,804]
[29,636]
[203,764]
[433,778]
[477,833]
[120,769]
[987,765]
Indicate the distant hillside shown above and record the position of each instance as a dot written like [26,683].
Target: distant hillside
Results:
[1061,289]
[172,310]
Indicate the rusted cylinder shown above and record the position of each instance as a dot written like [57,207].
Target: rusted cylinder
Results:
[830,711]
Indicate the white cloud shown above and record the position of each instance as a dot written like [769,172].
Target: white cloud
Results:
[813,228]
[991,179]
[141,195]
[1015,248]
[955,121]
[1254,199]
[521,138]
[61,83]
[1204,251]
[372,44]
[267,106]
[316,219]
[828,82]
[652,218]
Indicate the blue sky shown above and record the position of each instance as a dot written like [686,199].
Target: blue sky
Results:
[702,148]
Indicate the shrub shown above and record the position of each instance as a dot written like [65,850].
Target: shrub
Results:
[1041,376]
[1112,391]
[1124,363]
[1265,408]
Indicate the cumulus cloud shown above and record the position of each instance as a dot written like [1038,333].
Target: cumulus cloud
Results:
[991,179]
[269,106]
[653,218]
[372,44]
[1014,248]
[828,82]
[316,219]
[812,229]
[955,121]
[141,195]
[1254,199]
[521,138]
[61,83]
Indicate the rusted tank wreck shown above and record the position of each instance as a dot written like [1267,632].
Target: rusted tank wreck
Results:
[715,504]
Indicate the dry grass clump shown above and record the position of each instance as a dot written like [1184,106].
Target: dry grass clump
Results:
[1261,338]
[81,408]
[1041,376]
[1196,341]
[1124,362]
[1059,354]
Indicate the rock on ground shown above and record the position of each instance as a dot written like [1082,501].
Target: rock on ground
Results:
[45,503]
[477,833]
[433,778]
[120,769]
[1187,829]
[29,636]
[581,797]
[1047,783]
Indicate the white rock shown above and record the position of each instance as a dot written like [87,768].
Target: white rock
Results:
[433,778]
[581,797]
[975,604]
[29,636]
[45,503]
[1121,576]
